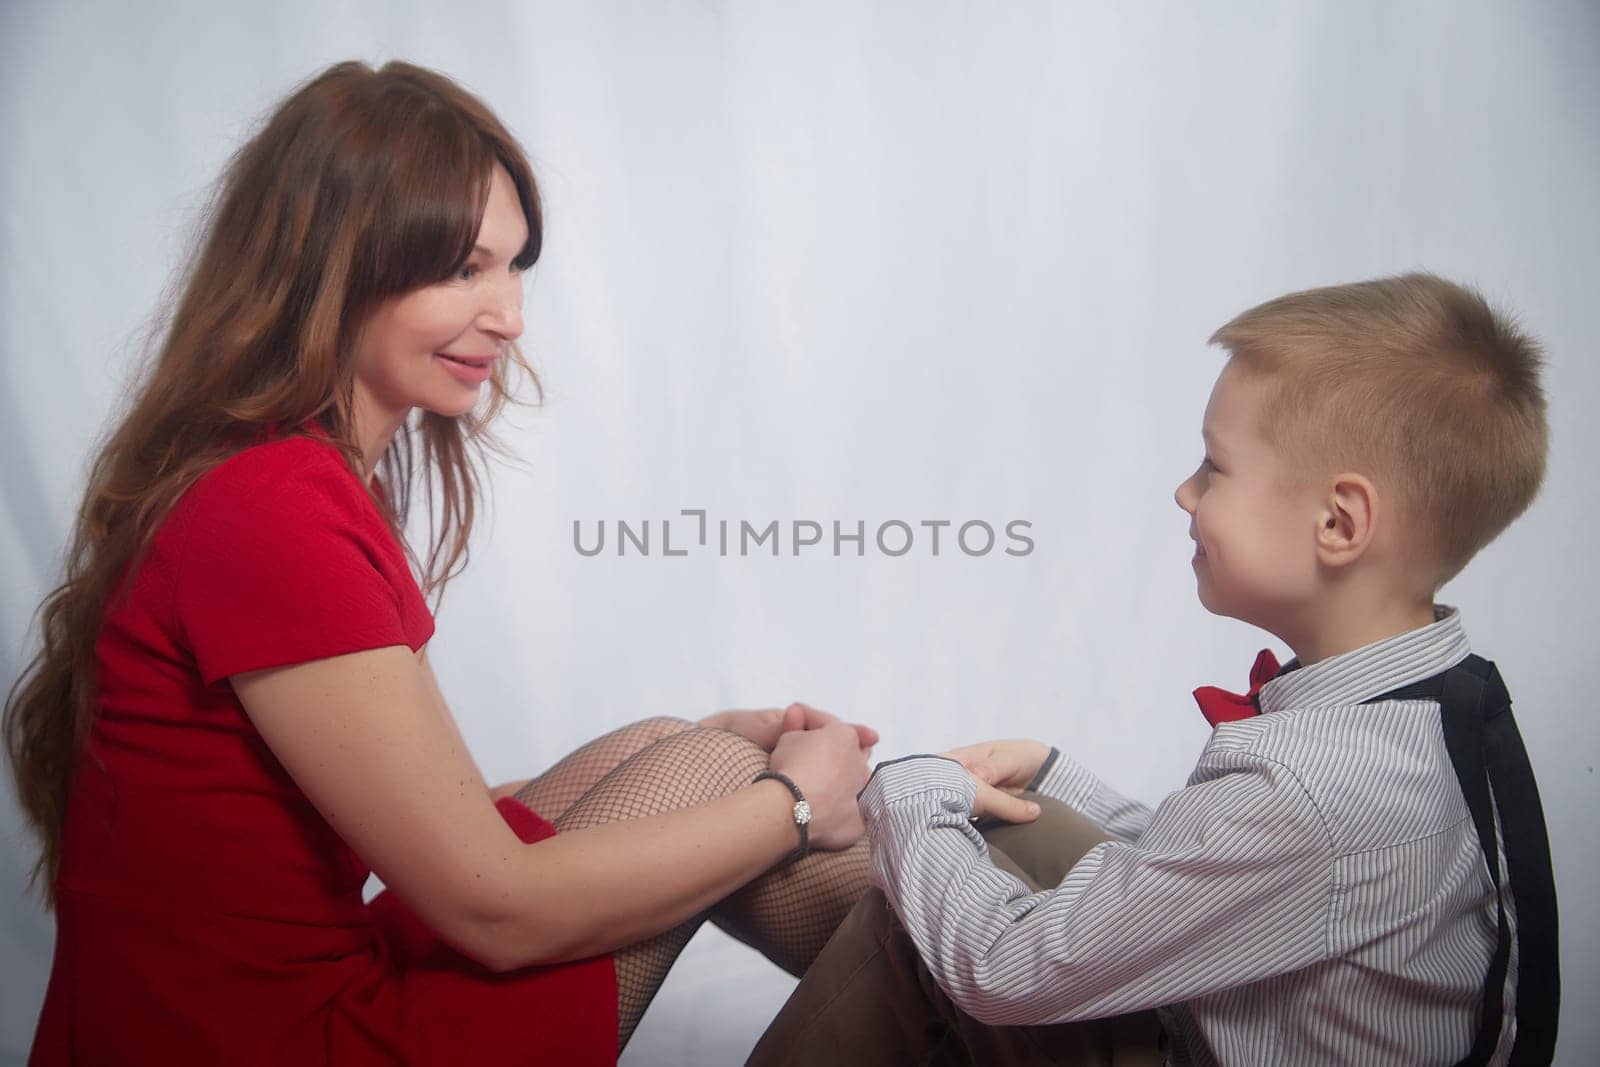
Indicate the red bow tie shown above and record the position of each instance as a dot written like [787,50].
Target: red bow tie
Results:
[1220,706]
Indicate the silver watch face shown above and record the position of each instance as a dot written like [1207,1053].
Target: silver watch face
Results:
[802,813]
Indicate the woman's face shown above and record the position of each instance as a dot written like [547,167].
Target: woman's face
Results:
[434,347]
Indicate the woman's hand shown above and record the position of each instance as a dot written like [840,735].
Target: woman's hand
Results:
[765,726]
[829,765]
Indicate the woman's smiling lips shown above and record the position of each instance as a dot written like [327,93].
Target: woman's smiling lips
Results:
[473,370]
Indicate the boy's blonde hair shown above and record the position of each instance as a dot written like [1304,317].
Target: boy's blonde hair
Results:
[1418,384]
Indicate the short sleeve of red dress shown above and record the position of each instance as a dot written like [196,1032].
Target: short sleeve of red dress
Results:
[289,561]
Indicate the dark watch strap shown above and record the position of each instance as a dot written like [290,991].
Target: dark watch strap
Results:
[802,814]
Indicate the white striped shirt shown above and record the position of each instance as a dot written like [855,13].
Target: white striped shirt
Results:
[1315,894]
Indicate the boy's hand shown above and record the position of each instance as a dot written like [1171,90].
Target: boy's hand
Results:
[1002,764]
[1002,804]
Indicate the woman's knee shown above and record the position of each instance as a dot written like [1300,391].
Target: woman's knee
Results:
[647,732]
[705,753]
[689,767]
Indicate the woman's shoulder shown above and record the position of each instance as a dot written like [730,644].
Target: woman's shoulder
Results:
[297,468]
[294,459]
[281,482]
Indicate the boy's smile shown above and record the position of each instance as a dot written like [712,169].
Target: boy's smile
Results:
[1253,520]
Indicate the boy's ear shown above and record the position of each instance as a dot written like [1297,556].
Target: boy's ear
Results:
[1348,520]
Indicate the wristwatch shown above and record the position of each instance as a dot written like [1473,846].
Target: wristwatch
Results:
[802,813]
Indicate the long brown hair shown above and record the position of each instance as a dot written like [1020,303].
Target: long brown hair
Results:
[360,186]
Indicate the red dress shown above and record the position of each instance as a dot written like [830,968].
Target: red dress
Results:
[206,911]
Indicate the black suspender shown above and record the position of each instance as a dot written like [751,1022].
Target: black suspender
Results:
[1486,751]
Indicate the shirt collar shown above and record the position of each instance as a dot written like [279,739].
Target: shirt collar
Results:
[1377,668]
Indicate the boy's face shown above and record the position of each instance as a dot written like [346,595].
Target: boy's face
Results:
[1254,524]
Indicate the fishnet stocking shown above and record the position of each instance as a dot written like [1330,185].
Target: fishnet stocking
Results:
[787,914]
[558,788]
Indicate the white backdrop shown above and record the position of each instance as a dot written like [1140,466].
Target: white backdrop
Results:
[847,261]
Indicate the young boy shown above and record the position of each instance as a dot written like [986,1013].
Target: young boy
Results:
[1321,890]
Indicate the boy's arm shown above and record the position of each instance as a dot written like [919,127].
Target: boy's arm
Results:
[1230,883]
[1121,817]
[1016,763]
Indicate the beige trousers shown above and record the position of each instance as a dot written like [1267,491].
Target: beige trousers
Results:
[868,999]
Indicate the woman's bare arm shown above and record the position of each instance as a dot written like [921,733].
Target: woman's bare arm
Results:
[376,750]
[509,789]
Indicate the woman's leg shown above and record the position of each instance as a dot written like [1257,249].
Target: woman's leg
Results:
[789,913]
[785,913]
[558,788]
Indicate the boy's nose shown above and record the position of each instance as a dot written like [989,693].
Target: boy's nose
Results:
[1184,494]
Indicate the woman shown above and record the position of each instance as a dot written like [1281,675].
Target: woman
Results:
[232,720]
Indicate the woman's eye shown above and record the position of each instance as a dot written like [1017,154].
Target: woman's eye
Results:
[466,273]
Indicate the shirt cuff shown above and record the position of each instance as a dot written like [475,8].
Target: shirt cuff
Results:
[897,779]
[1044,768]
[1066,780]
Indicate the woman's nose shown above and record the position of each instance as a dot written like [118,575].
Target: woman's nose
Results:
[504,313]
